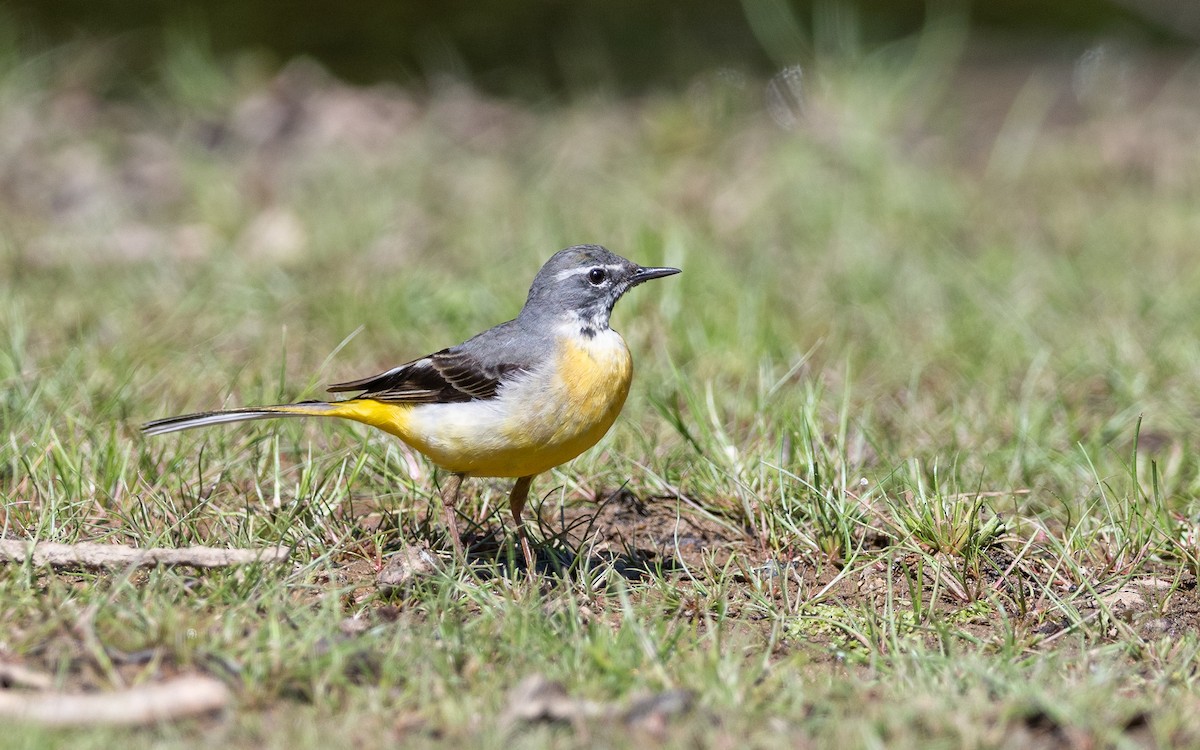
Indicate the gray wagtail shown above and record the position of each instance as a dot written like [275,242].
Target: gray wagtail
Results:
[514,401]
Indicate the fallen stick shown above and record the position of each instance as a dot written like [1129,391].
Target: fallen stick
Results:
[15,675]
[86,555]
[177,698]
[536,699]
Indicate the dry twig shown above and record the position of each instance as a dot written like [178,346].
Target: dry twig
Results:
[15,675]
[178,698]
[86,555]
[537,699]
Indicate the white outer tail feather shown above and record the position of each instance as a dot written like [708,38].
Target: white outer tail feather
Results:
[204,419]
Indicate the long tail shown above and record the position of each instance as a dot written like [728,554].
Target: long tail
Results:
[204,419]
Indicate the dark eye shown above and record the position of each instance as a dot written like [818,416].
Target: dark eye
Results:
[597,276]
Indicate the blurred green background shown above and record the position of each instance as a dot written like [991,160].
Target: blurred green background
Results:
[546,47]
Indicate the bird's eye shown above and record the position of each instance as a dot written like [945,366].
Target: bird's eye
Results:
[597,276]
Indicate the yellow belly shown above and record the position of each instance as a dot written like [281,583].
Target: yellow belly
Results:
[538,421]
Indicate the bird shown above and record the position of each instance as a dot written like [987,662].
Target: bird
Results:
[514,401]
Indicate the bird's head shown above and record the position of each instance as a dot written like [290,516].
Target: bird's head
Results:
[585,281]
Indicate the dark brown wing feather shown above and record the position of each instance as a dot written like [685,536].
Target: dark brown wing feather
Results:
[444,377]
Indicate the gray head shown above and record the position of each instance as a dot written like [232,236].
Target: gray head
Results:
[584,282]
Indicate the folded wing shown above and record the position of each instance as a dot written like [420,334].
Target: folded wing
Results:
[447,376]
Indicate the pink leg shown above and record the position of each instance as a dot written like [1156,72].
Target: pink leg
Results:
[449,505]
[516,503]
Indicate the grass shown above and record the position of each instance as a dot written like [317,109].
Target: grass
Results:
[908,459]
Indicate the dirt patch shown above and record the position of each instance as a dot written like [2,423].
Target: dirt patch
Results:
[657,528]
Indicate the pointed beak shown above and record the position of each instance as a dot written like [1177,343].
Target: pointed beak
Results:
[645,274]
